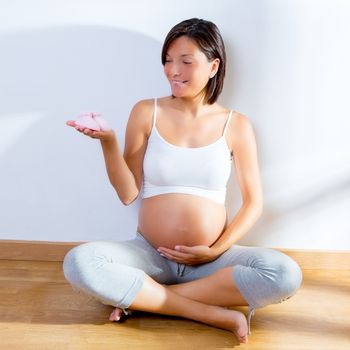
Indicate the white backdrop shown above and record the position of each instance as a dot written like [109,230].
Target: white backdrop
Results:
[288,71]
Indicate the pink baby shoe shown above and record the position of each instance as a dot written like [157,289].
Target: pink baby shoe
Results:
[93,121]
[101,122]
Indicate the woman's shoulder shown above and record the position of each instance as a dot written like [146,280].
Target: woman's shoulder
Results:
[142,113]
[239,126]
[150,102]
[240,119]
[144,104]
[241,131]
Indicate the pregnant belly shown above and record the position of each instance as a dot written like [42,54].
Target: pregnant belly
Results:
[170,219]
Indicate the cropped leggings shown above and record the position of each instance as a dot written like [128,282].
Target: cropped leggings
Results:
[113,272]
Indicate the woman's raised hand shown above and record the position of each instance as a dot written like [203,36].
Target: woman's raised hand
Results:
[102,135]
[88,122]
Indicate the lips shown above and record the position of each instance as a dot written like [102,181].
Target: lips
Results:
[179,81]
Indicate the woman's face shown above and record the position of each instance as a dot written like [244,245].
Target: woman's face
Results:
[187,68]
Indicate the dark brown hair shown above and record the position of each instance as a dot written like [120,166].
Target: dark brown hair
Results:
[208,38]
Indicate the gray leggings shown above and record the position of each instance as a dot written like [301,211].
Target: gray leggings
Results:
[113,272]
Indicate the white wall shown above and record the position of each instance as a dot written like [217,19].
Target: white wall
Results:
[288,71]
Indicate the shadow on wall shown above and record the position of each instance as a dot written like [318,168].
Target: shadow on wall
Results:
[54,186]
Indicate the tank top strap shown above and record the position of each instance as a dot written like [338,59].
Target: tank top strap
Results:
[227,123]
[155,112]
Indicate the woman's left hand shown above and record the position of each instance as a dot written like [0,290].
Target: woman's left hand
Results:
[198,254]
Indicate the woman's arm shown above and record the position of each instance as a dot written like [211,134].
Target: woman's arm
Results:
[248,176]
[119,174]
[125,170]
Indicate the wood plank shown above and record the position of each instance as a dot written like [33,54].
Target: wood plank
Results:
[35,250]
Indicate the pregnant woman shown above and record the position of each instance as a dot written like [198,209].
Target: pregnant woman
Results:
[178,155]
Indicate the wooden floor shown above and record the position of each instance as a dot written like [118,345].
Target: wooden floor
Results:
[39,310]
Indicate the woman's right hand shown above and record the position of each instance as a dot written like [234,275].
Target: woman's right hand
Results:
[101,135]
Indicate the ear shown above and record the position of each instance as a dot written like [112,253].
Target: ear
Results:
[214,67]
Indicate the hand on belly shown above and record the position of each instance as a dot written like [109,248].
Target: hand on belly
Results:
[189,255]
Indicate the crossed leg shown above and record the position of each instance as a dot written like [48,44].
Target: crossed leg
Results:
[157,298]
[200,300]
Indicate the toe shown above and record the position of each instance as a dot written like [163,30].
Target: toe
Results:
[242,338]
[114,316]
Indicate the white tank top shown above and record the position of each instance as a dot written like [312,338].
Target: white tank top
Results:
[201,171]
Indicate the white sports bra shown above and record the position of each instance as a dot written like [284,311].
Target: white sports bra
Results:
[201,171]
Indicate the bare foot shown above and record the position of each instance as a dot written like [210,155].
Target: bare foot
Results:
[117,314]
[241,327]
[235,322]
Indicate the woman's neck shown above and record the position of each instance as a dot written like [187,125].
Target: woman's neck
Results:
[192,106]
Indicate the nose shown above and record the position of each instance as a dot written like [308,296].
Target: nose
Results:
[172,70]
